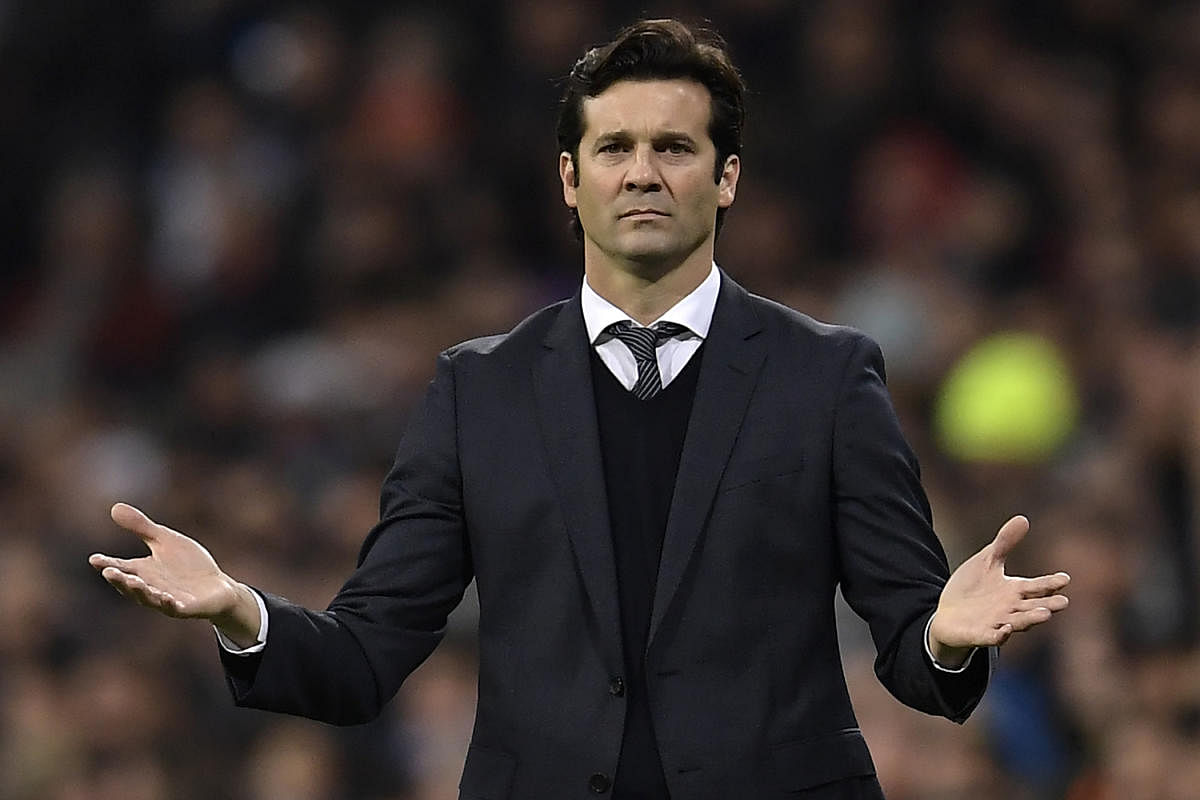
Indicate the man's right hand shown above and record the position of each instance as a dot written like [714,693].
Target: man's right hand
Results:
[180,579]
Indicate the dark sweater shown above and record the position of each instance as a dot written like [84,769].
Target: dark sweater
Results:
[641,441]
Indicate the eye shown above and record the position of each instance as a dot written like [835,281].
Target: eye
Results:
[678,148]
[611,147]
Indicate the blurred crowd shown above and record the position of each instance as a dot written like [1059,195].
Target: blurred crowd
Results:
[236,235]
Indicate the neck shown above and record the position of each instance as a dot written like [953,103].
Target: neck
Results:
[640,290]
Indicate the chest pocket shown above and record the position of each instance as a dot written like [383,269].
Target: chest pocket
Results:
[745,471]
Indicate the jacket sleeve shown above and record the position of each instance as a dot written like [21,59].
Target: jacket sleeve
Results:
[343,664]
[893,567]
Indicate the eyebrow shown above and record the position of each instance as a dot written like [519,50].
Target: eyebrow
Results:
[625,136]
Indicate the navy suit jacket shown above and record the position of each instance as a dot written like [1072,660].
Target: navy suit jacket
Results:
[794,479]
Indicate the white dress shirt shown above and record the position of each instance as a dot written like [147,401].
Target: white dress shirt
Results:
[694,312]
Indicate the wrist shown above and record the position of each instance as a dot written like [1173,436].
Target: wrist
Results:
[949,657]
[945,655]
[241,622]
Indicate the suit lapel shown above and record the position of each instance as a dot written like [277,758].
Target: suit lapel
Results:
[566,411]
[733,356]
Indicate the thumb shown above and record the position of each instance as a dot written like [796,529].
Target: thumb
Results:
[134,520]
[1010,535]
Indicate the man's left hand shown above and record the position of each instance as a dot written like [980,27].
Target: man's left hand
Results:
[980,606]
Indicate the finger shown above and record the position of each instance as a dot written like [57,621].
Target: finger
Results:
[134,520]
[101,562]
[123,582]
[168,605]
[998,636]
[1043,585]
[1024,620]
[135,588]
[118,583]
[127,583]
[1055,603]
[1009,536]
[173,606]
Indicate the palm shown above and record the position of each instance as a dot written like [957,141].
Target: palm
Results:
[981,606]
[178,578]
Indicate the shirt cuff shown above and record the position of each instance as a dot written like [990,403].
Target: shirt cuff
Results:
[261,640]
[934,661]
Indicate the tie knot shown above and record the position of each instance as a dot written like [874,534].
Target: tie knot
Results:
[643,341]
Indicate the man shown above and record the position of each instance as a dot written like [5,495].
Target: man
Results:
[657,486]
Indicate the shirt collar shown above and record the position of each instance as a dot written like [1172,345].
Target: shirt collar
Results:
[694,312]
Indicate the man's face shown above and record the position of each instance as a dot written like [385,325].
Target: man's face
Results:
[643,185]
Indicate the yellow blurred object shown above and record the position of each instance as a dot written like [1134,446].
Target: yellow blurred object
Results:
[1010,399]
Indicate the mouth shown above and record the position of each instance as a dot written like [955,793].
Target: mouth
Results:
[639,213]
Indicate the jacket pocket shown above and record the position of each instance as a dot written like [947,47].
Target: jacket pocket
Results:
[488,774]
[822,759]
[742,472]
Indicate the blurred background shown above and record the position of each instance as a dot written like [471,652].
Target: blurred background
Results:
[236,234]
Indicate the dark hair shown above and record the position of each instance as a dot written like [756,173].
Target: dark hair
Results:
[650,50]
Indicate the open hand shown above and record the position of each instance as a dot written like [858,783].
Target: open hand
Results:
[178,578]
[980,606]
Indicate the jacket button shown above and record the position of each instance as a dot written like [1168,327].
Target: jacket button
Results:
[599,783]
[616,687]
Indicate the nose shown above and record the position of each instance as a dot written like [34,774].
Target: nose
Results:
[643,174]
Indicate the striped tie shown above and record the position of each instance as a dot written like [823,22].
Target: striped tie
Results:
[643,344]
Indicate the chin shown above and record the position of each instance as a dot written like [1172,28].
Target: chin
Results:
[653,257]
[654,266]
[648,246]
[659,249]
[650,254]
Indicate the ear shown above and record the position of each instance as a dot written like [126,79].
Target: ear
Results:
[566,172]
[727,186]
